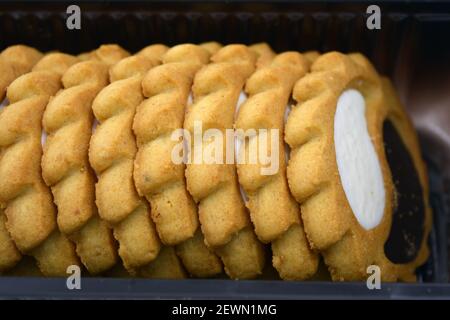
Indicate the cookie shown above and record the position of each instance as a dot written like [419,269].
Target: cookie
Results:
[26,200]
[157,177]
[214,187]
[111,154]
[198,260]
[340,174]
[109,54]
[14,62]
[68,122]
[166,266]
[311,56]
[406,246]
[265,185]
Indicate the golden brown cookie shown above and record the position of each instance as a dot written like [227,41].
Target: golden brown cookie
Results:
[109,54]
[264,54]
[340,174]
[9,254]
[224,220]
[68,122]
[198,260]
[212,46]
[157,176]
[261,119]
[26,200]
[25,268]
[111,153]
[14,62]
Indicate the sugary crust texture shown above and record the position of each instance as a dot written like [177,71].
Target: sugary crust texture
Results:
[243,257]
[313,177]
[19,141]
[312,172]
[14,62]
[157,177]
[111,154]
[268,91]
[138,64]
[33,231]
[199,260]
[214,186]
[68,122]
[56,62]
[224,220]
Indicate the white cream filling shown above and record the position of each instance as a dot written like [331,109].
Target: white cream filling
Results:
[237,142]
[357,161]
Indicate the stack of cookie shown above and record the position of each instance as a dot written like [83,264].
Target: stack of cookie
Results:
[204,160]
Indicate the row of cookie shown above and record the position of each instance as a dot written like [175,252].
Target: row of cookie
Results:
[130,152]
